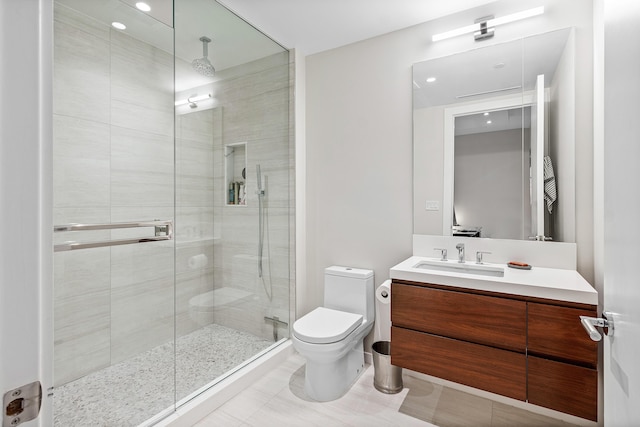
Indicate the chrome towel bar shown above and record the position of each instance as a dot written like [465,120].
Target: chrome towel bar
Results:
[163,231]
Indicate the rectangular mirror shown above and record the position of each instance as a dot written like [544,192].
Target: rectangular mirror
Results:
[494,141]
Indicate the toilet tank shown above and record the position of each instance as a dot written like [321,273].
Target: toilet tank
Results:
[350,289]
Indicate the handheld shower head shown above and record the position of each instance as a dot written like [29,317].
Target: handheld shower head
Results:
[259,175]
[203,65]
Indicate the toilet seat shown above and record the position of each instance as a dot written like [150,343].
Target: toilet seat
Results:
[325,325]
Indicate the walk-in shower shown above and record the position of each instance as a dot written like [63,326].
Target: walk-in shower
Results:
[157,294]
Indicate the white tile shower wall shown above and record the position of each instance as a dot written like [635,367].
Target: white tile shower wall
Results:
[255,103]
[113,161]
[114,124]
[195,160]
[81,66]
[82,313]
[251,106]
[195,232]
[83,147]
[141,168]
[81,188]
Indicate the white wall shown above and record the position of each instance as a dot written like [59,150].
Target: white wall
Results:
[26,285]
[488,180]
[300,258]
[359,138]
[562,127]
[428,133]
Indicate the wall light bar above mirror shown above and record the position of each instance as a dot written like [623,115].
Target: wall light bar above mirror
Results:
[485,28]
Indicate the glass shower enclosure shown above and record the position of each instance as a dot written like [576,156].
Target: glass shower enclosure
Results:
[173,204]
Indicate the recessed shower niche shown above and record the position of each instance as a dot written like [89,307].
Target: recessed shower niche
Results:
[235,174]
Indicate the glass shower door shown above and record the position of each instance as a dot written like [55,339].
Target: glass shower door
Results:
[234,163]
[114,263]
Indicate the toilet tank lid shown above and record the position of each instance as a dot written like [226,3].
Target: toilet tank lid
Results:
[359,273]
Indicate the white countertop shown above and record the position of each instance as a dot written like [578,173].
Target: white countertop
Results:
[539,282]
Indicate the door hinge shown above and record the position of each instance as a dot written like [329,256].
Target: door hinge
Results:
[22,404]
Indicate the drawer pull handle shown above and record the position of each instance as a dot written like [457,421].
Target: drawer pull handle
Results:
[590,324]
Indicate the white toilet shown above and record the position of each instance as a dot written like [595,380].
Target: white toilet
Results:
[330,337]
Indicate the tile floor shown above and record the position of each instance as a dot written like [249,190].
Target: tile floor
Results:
[278,399]
[130,392]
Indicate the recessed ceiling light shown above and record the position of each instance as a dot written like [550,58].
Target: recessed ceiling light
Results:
[118,25]
[143,6]
[486,114]
[488,122]
[431,79]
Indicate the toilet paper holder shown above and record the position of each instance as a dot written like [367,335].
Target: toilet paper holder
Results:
[383,292]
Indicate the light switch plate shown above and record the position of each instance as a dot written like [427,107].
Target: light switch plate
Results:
[432,205]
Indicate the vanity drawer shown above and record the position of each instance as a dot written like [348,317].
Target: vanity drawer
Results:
[563,387]
[555,332]
[492,321]
[498,371]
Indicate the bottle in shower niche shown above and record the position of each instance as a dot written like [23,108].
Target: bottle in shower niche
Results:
[237,187]
[242,195]
[232,194]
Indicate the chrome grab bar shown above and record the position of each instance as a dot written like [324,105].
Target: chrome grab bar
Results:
[163,231]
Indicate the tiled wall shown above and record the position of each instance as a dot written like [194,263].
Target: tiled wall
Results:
[195,230]
[256,110]
[114,161]
[252,107]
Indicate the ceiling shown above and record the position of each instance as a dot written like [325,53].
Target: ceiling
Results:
[233,42]
[314,26]
[310,26]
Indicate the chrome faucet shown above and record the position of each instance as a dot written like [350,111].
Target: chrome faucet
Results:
[460,248]
[443,253]
[479,256]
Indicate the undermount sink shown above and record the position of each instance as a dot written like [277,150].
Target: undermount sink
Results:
[465,268]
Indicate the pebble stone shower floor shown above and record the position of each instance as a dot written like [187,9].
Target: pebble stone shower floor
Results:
[130,392]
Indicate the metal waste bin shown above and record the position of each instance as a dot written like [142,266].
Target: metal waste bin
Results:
[386,377]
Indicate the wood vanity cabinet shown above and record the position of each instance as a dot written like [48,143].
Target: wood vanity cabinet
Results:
[525,348]
[562,359]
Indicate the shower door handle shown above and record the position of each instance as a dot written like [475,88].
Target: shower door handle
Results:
[163,230]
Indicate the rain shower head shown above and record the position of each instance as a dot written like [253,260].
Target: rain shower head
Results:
[202,65]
